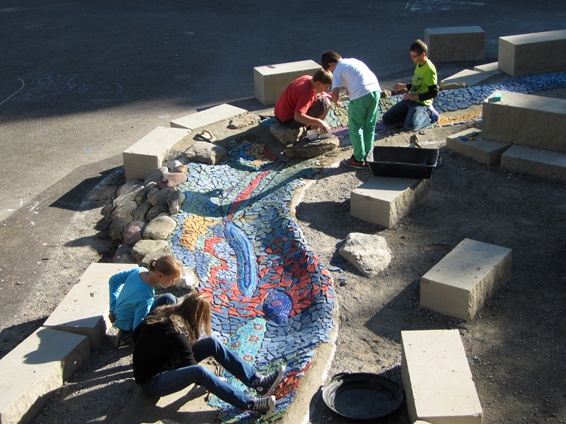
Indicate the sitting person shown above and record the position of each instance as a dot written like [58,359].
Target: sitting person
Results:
[304,104]
[132,294]
[168,349]
[415,111]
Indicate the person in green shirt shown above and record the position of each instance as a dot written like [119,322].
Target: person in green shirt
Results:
[416,111]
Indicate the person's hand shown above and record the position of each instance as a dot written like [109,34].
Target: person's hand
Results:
[409,96]
[111,317]
[400,86]
[324,125]
[338,103]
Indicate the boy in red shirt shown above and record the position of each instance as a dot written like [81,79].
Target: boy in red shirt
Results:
[302,104]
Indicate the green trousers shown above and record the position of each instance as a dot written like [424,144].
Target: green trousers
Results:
[362,117]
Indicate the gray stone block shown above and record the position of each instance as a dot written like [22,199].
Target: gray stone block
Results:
[450,44]
[471,143]
[83,310]
[539,162]
[35,369]
[385,201]
[271,80]
[464,279]
[525,119]
[207,117]
[534,53]
[438,383]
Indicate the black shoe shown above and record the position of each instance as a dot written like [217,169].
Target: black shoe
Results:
[123,338]
[266,404]
[266,384]
[353,163]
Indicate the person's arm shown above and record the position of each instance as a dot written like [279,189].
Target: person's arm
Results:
[430,94]
[336,96]
[310,121]
[115,283]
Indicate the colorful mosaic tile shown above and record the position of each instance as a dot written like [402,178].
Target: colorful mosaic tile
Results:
[272,299]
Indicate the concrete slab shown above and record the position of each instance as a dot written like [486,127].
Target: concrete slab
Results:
[539,162]
[450,44]
[525,119]
[438,383]
[148,153]
[533,53]
[466,76]
[491,68]
[271,80]
[83,310]
[35,368]
[207,117]
[465,278]
[385,201]
[471,143]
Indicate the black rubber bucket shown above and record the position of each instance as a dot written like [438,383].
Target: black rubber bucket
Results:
[362,396]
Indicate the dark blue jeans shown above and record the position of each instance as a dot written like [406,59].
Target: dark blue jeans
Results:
[172,381]
[412,115]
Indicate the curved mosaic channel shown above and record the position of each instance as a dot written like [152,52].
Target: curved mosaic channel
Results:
[272,298]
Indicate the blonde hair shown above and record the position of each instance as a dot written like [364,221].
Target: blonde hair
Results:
[191,316]
[167,265]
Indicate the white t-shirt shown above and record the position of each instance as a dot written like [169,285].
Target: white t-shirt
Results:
[356,77]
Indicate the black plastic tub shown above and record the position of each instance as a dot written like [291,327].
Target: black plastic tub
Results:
[402,162]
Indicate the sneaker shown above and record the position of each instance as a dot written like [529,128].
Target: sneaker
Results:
[353,163]
[266,404]
[433,114]
[122,339]
[267,384]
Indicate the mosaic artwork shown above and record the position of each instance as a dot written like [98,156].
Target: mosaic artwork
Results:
[272,298]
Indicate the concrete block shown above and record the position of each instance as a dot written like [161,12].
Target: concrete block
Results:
[450,44]
[83,310]
[385,201]
[534,53]
[525,119]
[490,68]
[464,279]
[207,117]
[466,76]
[147,154]
[35,368]
[438,383]
[539,162]
[271,80]
[471,143]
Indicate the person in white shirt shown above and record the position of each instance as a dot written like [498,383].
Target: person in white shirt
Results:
[364,92]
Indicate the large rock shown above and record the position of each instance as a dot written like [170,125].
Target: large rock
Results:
[244,121]
[368,253]
[133,232]
[172,179]
[286,135]
[174,200]
[144,248]
[205,152]
[124,210]
[117,226]
[159,228]
[306,149]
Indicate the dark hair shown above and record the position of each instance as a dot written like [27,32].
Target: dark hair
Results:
[167,265]
[191,316]
[328,57]
[419,47]
[323,76]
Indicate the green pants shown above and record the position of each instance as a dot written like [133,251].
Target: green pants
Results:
[362,117]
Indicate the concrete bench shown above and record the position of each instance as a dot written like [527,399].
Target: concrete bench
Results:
[525,119]
[450,44]
[464,279]
[467,76]
[207,117]
[438,383]
[471,143]
[271,80]
[539,162]
[83,310]
[534,53]
[148,154]
[35,368]
[385,201]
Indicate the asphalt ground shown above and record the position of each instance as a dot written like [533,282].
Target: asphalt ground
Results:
[81,81]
